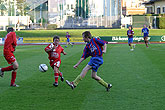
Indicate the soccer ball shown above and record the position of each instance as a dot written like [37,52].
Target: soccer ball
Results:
[43,67]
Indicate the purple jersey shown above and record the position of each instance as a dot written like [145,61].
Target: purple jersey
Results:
[93,48]
[130,32]
[67,36]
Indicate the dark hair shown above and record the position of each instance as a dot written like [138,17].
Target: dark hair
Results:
[56,37]
[87,34]
[131,27]
[10,29]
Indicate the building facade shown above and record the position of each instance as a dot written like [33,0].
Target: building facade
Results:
[133,7]
[155,7]
[85,13]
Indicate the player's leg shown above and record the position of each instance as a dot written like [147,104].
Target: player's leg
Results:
[56,76]
[82,75]
[100,80]
[130,44]
[146,41]
[10,59]
[74,83]
[14,73]
[61,75]
[71,44]
[66,44]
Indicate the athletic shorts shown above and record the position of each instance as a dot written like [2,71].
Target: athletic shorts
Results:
[130,40]
[10,58]
[55,63]
[95,62]
[68,40]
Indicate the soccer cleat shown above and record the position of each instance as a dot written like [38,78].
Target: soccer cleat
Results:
[14,85]
[62,78]
[55,84]
[131,49]
[134,45]
[70,84]
[1,73]
[109,86]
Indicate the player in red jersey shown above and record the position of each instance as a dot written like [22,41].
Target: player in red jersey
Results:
[54,50]
[9,48]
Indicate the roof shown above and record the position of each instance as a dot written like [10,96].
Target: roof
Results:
[35,3]
[152,2]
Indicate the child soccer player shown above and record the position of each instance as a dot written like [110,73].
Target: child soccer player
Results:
[130,34]
[145,31]
[93,48]
[54,50]
[8,50]
[68,39]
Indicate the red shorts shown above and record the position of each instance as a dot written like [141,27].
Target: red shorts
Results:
[10,58]
[55,63]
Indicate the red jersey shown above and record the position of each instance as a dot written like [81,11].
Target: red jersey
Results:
[56,53]
[10,43]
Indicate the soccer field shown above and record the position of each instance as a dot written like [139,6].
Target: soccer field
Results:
[138,80]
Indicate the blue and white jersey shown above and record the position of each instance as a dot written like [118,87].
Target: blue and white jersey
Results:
[145,31]
[93,48]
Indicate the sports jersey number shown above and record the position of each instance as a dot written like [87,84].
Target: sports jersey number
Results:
[93,48]
[54,54]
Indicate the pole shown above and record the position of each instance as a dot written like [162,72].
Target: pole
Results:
[15,14]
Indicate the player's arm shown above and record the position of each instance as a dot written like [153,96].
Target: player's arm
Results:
[64,53]
[132,32]
[105,48]
[76,65]
[141,32]
[83,57]
[148,32]
[14,41]
[49,48]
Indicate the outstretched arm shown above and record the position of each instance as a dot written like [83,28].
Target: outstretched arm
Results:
[64,53]
[76,65]
[105,48]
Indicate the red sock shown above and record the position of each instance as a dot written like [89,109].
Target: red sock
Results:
[56,77]
[9,68]
[13,77]
[60,74]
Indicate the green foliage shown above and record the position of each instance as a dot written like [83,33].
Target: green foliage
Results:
[52,27]
[162,22]
[148,15]
[42,20]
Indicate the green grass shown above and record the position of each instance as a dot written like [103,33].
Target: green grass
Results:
[138,80]
[78,32]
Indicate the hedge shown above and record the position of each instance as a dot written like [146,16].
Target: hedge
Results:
[162,22]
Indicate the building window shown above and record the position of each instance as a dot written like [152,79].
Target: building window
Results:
[149,10]
[158,10]
[163,10]
[68,7]
[71,6]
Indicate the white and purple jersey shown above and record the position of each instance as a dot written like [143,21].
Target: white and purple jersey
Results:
[145,31]
[93,48]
